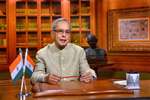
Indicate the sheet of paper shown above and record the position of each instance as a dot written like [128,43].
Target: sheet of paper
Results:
[120,82]
[124,83]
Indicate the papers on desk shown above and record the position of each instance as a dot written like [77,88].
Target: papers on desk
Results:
[121,82]
[129,86]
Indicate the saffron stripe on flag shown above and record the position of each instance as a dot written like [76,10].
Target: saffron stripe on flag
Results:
[16,67]
[15,72]
[31,61]
[28,63]
[14,64]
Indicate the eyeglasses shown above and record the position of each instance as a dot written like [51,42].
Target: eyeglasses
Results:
[60,31]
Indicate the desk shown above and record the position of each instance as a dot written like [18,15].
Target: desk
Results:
[8,92]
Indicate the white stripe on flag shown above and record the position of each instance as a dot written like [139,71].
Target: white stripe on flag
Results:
[29,66]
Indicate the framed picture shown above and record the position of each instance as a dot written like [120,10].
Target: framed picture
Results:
[129,30]
[133,29]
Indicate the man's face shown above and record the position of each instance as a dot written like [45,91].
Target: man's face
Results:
[62,34]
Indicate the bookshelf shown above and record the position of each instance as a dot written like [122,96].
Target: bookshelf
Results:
[27,24]
[3,33]
[27,33]
[82,16]
[50,10]
[33,22]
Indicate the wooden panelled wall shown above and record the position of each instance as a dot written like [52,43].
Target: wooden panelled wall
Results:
[122,62]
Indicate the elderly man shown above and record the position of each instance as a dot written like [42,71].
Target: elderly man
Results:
[61,60]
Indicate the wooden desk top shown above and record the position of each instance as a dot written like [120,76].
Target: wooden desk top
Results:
[100,89]
[74,88]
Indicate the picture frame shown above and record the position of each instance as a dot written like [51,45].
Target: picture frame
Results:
[129,30]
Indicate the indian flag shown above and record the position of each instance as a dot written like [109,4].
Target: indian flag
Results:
[29,64]
[16,67]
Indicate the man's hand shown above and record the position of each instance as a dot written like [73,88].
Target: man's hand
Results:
[52,79]
[86,77]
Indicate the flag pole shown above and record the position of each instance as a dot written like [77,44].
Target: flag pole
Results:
[21,89]
[24,81]
[24,93]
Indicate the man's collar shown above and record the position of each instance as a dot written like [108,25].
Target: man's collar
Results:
[56,49]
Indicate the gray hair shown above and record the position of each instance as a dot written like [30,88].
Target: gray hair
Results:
[55,23]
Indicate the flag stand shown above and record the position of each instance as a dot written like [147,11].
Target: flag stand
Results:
[18,68]
[23,90]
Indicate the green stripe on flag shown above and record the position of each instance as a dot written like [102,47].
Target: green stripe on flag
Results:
[19,75]
[28,72]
